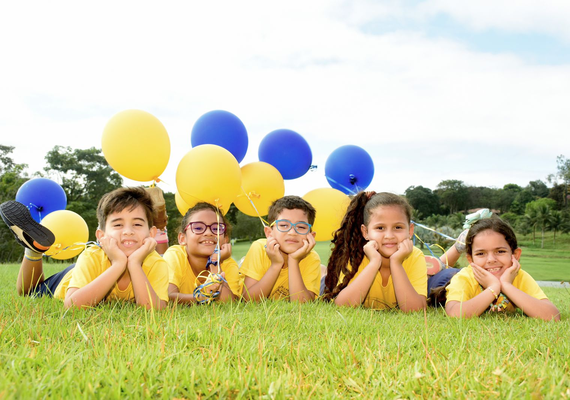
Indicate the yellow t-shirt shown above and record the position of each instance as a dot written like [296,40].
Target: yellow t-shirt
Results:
[384,297]
[182,275]
[464,286]
[93,262]
[257,262]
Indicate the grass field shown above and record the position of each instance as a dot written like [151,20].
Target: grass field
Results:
[274,350]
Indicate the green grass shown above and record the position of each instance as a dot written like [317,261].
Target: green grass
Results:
[274,350]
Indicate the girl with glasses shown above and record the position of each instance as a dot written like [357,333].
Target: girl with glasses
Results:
[204,244]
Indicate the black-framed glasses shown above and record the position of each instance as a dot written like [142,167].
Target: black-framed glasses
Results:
[199,228]
[284,225]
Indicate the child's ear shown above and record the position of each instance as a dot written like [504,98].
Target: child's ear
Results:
[412,226]
[517,254]
[99,234]
[364,230]
[268,231]
[152,233]
[314,234]
[181,239]
[469,258]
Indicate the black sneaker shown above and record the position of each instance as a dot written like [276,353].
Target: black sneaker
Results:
[28,232]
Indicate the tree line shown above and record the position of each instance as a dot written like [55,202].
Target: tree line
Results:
[85,176]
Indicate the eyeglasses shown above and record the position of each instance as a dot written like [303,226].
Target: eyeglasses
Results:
[199,228]
[284,225]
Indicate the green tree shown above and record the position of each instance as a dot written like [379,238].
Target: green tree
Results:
[85,176]
[12,176]
[247,228]
[538,189]
[563,174]
[557,194]
[558,222]
[423,200]
[453,194]
[506,196]
[481,197]
[538,215]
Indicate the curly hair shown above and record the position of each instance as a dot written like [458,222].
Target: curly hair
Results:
[348,243]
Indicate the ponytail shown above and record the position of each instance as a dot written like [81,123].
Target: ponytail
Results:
[347,247]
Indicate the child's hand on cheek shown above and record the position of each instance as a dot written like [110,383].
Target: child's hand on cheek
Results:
[147,247]
[485,278]
[272,248]
[308,245]
[371,251]
[510,273]
[225,252]
[405,248]
[111,249]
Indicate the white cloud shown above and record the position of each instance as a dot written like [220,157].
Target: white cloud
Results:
[522,16]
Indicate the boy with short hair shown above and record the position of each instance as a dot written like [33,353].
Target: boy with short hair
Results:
[124,267]
[284,264]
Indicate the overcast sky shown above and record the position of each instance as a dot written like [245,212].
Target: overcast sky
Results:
[477,91]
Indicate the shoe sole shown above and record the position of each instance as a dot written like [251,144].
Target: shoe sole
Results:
[28,232]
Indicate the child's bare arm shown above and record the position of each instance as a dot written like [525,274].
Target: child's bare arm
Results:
[297,289]
[259,289]
[354,294]
[406,295]
[478,304]
[145,295]
[531,306]
[95,291]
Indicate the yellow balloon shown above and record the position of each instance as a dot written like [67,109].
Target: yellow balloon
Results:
[136,145]
[183,207]
[211,174]
[331,205]
[261,183]
[70,231]
[181,204]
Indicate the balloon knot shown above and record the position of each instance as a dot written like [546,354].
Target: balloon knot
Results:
[352,178]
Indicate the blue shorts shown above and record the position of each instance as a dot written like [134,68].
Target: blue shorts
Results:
[442,278]
[47,287]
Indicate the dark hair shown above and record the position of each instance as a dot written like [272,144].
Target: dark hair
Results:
[348,242]
[205,206]
[291,203]
[124,198]
[495,224]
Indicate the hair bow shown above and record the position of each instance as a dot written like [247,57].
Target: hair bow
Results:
[476,216]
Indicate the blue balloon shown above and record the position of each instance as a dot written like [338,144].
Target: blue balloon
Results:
[287,151]
[42,196]
[349,169]
[223,129]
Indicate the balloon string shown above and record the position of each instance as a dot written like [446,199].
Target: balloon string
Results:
[433,230]
[342,186]
[263,222]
